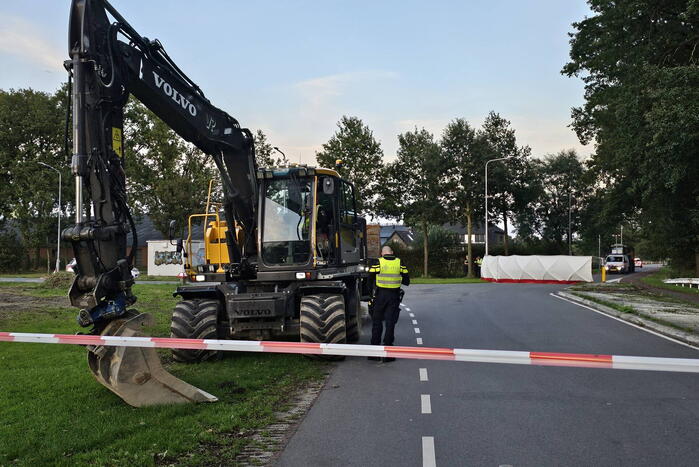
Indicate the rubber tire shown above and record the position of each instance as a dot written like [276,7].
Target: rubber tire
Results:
[323,320]
[195,319]
[354,312]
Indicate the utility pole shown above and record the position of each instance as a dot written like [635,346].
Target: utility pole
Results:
[486,199]
[622,235]
[58,237]
[599,246]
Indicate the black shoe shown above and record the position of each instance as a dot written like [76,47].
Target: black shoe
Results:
[388,359]
[374,358]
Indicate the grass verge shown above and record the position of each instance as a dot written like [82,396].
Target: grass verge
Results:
[446,280]
[630,310]
[656,280]
[55,413]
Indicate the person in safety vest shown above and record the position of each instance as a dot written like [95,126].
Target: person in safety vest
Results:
[390,274]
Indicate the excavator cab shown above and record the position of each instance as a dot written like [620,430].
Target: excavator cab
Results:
[308,220]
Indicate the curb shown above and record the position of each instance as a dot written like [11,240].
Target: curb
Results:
[682,336]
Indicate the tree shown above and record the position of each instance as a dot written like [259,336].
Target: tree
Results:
[638,60]
[464,154]
[506,178]
[413,188]
[362,159]
[556,183]
[265,152]
[32,131]
[168,178]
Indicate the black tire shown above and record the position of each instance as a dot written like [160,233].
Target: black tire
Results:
[323,320]
[353,312]
[195,319]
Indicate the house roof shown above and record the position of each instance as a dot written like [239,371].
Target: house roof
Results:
[388,230]
[406,236]
[146,231]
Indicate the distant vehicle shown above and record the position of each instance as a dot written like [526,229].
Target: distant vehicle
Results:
[638,263]
[617,263]
[627,251]
[70,267]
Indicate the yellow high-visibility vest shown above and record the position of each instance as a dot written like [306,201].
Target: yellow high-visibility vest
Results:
[388,273]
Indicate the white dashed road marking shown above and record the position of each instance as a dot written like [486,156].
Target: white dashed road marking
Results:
[428,458]
[417,330]
[426,405]
[412,315]
[407,309]
[414,321]
[423,374]
[419,340]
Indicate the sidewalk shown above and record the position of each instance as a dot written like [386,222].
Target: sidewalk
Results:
[641,306]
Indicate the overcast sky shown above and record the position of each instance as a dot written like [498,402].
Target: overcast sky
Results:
[293,68]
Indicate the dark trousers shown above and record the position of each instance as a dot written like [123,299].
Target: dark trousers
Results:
[386,308]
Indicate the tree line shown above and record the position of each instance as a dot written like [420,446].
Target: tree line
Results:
[429,182]
[432,182]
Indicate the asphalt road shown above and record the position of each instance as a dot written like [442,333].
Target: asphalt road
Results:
[495,415]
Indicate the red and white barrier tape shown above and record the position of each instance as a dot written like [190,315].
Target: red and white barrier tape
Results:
[687,365]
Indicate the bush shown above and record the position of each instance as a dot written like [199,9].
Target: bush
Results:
[11,251]
[446,255]
[58,280]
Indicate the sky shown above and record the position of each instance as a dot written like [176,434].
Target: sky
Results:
[294,68]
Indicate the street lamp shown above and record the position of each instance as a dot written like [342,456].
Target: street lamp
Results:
[58,237]
[486,199]
[570,232]
[280,152]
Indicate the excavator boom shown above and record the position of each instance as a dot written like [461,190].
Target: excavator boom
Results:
[108,62]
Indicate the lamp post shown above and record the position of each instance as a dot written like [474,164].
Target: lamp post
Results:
[486,199]
[280,152]
[570,231]
[58,236]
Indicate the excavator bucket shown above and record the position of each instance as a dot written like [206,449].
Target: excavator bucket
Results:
[135,373]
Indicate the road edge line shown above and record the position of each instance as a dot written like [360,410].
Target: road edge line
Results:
[651,327]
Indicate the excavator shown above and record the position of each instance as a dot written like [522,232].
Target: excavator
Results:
[295,263]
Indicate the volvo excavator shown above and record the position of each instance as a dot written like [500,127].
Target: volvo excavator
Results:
[296,248]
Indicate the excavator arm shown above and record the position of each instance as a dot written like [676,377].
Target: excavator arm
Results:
[110,61]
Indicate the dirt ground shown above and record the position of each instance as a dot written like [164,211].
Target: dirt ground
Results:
[13,302]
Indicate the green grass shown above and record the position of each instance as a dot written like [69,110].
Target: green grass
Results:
[656,280]
[445,280]
[55,413]
[27,274]
[145,277]
[32,289]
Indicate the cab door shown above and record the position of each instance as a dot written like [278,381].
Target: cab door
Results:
[350,244]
